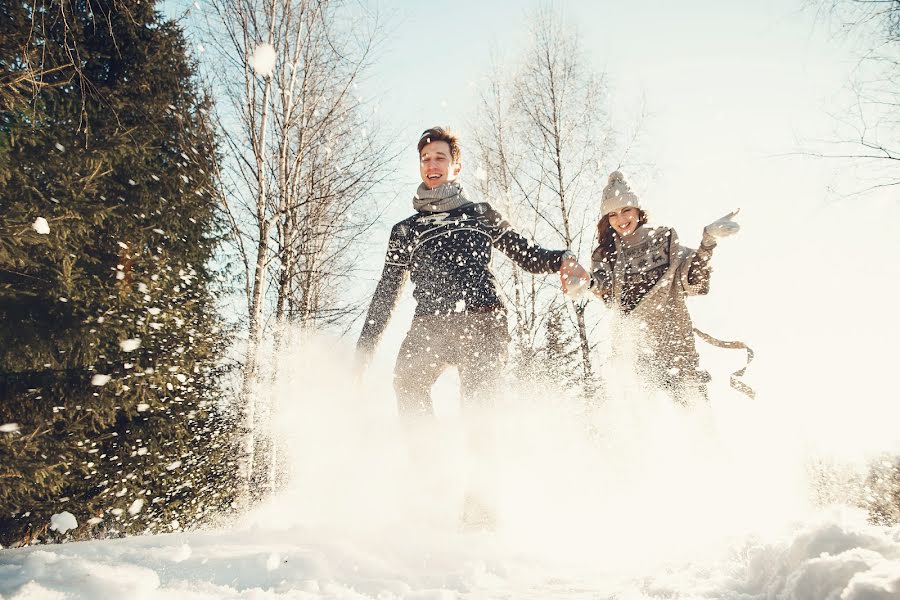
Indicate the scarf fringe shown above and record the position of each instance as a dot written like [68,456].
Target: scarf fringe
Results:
[736,383]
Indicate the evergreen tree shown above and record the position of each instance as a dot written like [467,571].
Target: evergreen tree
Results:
[110,343]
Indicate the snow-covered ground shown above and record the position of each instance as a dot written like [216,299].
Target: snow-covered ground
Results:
[639,499]
[837,557]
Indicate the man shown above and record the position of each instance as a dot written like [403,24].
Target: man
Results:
[445,248]
[460,320]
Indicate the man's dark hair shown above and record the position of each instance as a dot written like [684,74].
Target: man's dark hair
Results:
[441,134]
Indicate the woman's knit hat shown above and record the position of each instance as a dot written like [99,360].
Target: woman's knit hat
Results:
[617,194]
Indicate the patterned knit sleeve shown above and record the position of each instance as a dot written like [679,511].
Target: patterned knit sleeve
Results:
[694,269]
[387,292]
[520,249]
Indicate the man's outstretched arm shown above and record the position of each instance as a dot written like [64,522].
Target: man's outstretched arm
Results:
[520,249]
[383,301]
[532,257]
[393,277]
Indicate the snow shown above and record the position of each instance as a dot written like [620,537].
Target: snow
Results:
[136,506]
[99,379]
[837,558]
[263,60]
[63,522]
[41,226]
[636,500]
[130,345]
[657,503]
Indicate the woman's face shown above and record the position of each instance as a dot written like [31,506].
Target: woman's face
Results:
[625,220]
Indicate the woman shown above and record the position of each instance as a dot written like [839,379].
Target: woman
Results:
[645,274]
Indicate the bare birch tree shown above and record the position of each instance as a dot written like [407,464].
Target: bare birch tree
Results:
[542,135]
[566,133]
[300,172]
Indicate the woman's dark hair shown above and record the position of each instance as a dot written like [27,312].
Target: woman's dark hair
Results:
[606,241]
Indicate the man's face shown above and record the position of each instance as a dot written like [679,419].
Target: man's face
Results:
[436,165]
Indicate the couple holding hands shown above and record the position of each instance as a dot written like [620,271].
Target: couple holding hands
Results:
[639,271]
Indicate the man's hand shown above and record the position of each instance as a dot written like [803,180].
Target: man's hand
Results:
[720,228]
[572,275]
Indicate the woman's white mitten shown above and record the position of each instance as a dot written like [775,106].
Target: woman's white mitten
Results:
[720,228]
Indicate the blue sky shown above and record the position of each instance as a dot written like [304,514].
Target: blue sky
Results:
[729,85]
[731,88]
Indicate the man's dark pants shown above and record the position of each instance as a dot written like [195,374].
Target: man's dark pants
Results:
[476,344]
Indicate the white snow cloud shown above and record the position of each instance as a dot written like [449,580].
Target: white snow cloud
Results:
[569,501]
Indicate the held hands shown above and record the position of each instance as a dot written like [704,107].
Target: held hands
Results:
[573,277]
[720,228]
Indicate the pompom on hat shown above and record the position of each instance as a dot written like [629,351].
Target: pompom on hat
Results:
[617,194]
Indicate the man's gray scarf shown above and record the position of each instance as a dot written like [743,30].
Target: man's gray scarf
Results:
[444,197]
